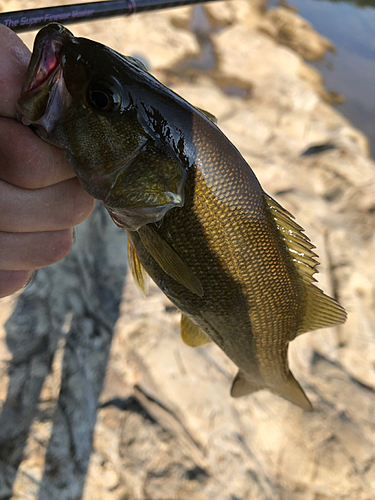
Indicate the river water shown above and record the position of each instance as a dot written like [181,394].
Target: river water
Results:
[351,70]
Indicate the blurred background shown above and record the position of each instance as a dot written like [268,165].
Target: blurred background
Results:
[349,68]
[91,368]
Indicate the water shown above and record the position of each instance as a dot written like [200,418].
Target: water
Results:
[351,71]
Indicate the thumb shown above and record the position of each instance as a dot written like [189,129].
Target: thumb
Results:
[14,59]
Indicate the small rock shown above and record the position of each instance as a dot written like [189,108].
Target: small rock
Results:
[296,33]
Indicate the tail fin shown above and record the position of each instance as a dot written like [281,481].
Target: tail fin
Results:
[241,386]
[293,392]
[289,390]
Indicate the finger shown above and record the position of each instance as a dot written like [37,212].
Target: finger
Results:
[11,281]
[27,161]
[14,59]
[56,207]
[29,251]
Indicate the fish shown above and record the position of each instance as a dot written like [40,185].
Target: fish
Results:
[229,256]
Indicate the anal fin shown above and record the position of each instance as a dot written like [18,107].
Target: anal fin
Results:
[191,334]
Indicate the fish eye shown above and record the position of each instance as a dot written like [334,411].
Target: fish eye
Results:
[102,98]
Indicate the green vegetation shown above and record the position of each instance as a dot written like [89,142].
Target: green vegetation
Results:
[359,3]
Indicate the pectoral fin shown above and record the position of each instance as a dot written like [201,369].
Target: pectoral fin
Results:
[168,259]
[191,334]
[138,271]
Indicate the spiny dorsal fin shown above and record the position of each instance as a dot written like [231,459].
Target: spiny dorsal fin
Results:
[209,115]
[191,334]
[168,259]
[296,241]
[321,311]
[138,271]
[137,62]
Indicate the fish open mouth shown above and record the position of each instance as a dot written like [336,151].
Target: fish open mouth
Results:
[46,65]
[46,56]
[44,77]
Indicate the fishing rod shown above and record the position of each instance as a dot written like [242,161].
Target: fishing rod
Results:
[33,19]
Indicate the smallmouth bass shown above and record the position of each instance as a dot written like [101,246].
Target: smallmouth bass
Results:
[226,254]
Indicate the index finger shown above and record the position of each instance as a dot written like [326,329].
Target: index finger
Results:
[27,161]
[14,59]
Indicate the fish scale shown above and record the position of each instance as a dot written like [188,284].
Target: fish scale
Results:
[255,322]
[230,257]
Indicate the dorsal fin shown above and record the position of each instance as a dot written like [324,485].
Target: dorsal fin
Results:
[209,115]
[191,334]
[321,311]
[138,271]
[137,62]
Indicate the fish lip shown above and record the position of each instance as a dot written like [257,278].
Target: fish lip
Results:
[46,65]
[43,71]
[46,55]
[44,82]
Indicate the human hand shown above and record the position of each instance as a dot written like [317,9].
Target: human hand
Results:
[40,196]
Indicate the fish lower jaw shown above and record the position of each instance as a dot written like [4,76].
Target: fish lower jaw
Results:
[134,218]
[44,116]
[25,121]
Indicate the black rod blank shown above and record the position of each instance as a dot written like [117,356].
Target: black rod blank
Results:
[33,19]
